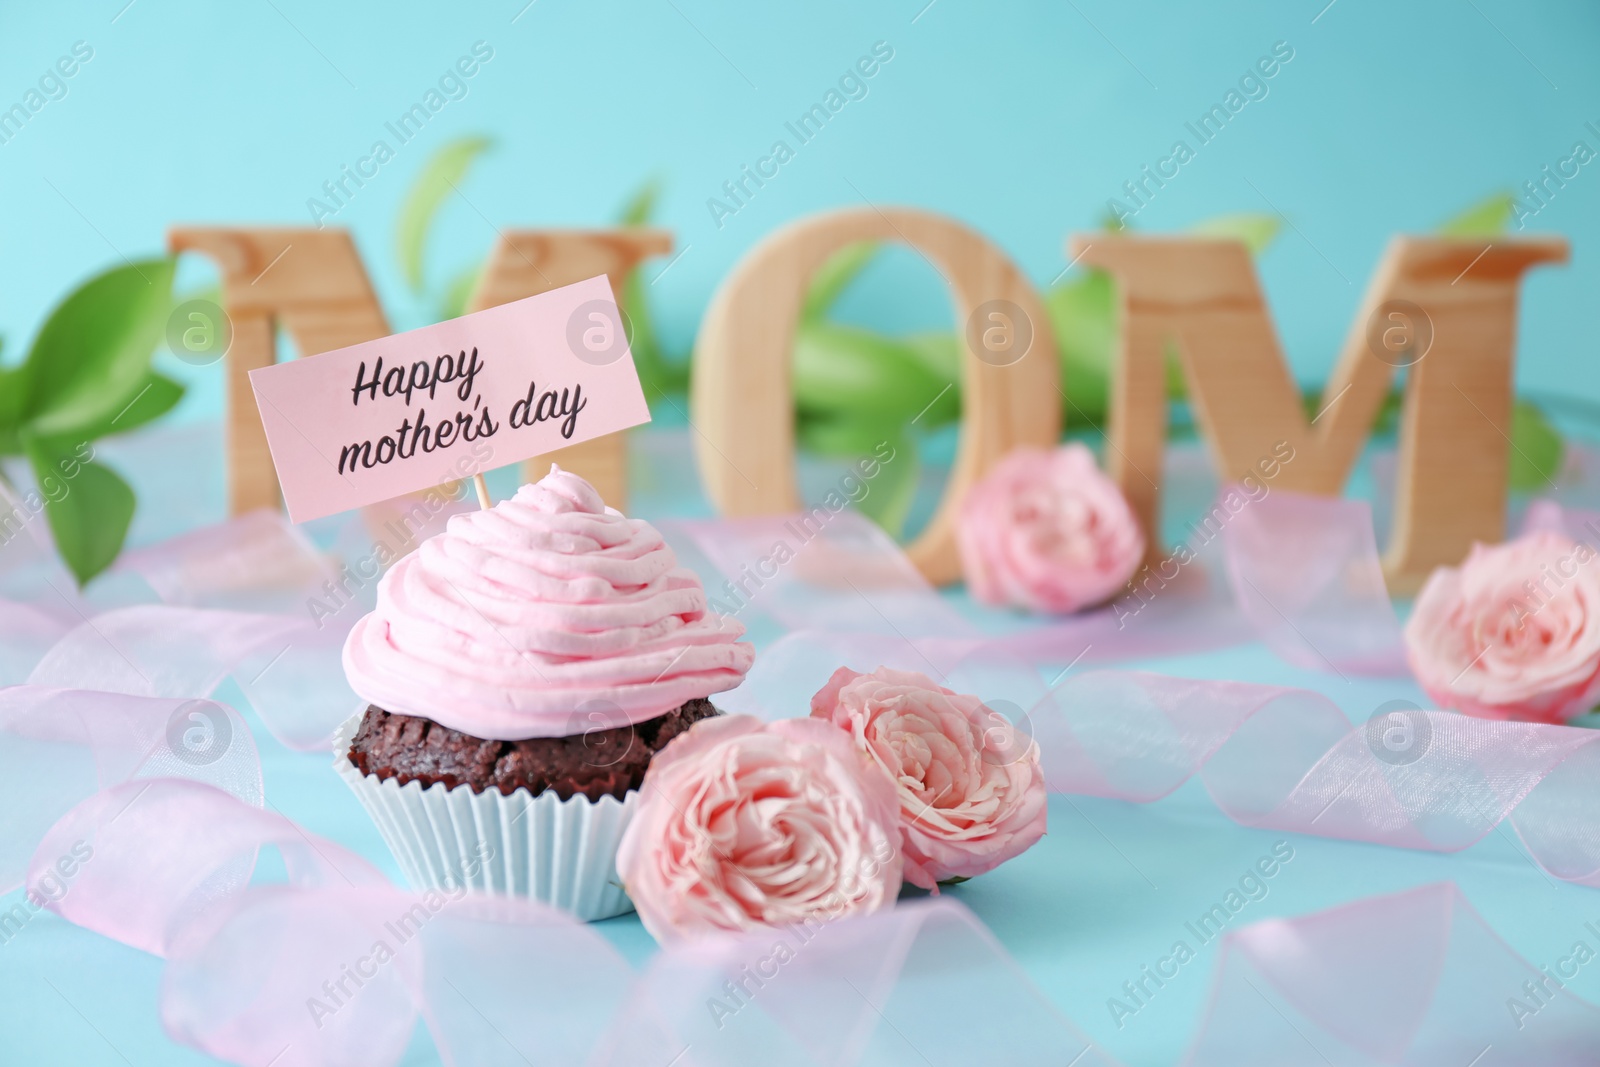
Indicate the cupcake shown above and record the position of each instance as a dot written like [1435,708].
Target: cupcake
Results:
[523,668]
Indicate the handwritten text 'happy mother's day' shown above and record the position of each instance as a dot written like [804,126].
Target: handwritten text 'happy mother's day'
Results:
[422,377]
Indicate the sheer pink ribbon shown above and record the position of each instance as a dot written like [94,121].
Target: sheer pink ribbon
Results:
[1288,759]
[334,966]
[845,595]
[1414,978]
[294,973]
[1299,573]
[170,860]
[1276,758]
[60,745]
[236,598]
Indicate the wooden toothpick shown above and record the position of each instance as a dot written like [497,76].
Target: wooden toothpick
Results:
[483,491]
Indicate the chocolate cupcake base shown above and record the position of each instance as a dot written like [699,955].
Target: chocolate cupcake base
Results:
[595,764]
[539,819]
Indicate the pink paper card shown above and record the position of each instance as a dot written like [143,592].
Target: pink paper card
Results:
[378,420]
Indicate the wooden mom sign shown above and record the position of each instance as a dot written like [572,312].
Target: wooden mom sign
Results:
[312,283]
[742,407]
[1445,309]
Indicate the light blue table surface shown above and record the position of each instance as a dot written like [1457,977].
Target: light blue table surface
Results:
[1108,889]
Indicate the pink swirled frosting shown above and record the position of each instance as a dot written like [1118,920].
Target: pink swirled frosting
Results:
[546,615]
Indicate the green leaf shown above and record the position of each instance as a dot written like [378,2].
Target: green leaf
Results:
[95,348]
[638,208]
[1486,218]
[658,375]
[1256,231]
[892,490]
[1111,222]
[941,354]
[658,372]
[847,436]
[13,396]
[842,369]
[1083,316]
[939,351]
[1537,449]
[440,174]
[155,395]
[891,493]
[1177,383]
[1385,422]
[642,344]
[88,505]
[835,277]
[453,303]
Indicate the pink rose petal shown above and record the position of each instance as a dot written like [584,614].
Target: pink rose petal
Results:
[970,789]
[1513,633]
[743,825]
[1048,532]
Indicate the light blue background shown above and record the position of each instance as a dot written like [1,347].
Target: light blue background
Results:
[1019,119]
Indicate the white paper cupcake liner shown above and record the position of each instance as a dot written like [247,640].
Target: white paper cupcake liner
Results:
[559,852]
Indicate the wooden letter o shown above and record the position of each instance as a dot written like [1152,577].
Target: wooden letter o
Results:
[742,405]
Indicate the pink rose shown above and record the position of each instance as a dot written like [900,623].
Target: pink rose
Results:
[742,825]
[1048,532]
[970,789]
[1513,633]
